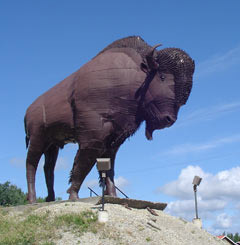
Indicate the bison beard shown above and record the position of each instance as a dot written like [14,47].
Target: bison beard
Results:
[153,121]
[101,105]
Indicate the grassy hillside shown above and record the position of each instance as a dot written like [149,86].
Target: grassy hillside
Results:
[72,223]
[30,228]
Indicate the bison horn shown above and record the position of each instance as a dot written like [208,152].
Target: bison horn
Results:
[152,64]
[155,46]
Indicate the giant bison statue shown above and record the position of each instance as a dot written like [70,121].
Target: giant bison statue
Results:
[102,104]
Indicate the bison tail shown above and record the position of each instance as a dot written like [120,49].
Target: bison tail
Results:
[70,177]
[27,137]
[27,141]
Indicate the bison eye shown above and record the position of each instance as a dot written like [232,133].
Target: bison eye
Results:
[162,77]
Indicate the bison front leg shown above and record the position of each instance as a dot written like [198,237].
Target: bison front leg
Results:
[83,163]
[110,186]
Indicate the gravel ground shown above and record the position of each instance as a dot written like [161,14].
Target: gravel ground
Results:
[135,226]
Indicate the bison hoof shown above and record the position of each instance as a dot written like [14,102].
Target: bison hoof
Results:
[112,194]
[73,196]
[31,199]
[50,199]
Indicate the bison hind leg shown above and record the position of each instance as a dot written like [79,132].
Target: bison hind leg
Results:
[51,155]
[33,156]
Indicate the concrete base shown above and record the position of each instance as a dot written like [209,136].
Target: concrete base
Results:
[102,216]
[198,223]
[132,203]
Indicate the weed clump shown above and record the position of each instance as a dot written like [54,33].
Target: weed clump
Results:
[41,229]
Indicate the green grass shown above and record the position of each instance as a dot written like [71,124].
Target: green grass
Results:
[80,223]
[148,239]
[41,229]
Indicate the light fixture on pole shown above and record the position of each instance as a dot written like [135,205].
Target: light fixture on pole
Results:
[103,165]
[196,181]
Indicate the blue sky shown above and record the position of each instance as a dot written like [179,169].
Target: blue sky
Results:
[42,42]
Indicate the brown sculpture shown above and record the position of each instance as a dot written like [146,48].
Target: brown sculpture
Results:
[102,104]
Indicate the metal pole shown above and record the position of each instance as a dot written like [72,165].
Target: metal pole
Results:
[195,195]
[92,191]
[121,192]
[103,187]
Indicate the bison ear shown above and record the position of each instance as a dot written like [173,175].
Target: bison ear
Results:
[144,68]
[152,63]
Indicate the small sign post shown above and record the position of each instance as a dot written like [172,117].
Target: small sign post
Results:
[103,165]
[196,181]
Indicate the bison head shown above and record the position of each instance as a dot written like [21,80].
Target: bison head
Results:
[166,88]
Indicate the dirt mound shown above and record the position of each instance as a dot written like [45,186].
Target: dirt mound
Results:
[125,225]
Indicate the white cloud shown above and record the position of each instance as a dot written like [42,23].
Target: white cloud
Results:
[182,187]
[181,208]
[192,148]
[186,208]
[224,185]
[218,63]
[121,182]
[217,193]
[223,221]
